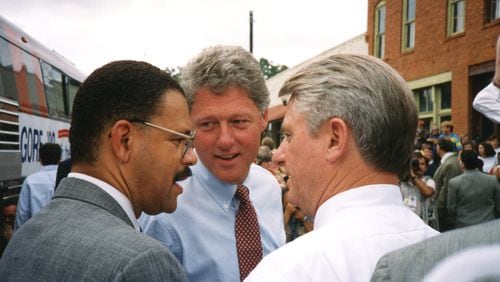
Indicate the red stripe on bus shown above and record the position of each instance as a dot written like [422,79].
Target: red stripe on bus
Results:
[63,133]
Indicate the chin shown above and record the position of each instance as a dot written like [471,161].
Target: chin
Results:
[233,177]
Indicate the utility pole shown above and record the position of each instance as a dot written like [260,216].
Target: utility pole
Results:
[251,32]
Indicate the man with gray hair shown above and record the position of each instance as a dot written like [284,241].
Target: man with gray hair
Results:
[358,119]
[230,214]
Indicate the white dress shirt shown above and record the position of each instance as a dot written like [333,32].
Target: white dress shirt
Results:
[352,230]
[487,102]
[122,200]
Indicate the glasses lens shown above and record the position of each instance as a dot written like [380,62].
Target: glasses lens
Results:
[188,145]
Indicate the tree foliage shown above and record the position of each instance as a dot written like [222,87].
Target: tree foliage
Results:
[175,73]
[269,69]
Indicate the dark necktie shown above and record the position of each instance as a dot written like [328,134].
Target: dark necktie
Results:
[248,244]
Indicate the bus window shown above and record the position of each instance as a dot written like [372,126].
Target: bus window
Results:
[7,79]
[54,92]
[72,89]
[34,83]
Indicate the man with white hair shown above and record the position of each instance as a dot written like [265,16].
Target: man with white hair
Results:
[344,110]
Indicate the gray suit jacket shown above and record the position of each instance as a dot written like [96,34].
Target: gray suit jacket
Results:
[84,234]
[473,197]
[446,171]
[412,263]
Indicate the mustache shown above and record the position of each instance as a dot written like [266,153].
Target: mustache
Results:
[184,174]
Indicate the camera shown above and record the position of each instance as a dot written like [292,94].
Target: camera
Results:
[415,164]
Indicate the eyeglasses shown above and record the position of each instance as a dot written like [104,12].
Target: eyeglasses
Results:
[188,143]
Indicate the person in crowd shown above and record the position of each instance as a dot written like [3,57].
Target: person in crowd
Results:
[447,132]
[422,134]
[493,140]
[38,188]
[297,223]
[265,159]
[230,214]
[449,168]
[5,228]
[9,208]
[130,140]
[487,101]
[417,189]
[343,110]
[473,197]
[268,142]
[432,158]
[434,134]
[468,146]
[488,156]
[63,169]
[415,262]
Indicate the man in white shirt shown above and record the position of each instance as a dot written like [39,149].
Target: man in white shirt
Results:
[38,188]
[342,109]
[487,101]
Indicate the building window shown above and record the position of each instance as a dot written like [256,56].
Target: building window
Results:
[434,102]
[456,16]
[380,30]
[409,24]
[492,10]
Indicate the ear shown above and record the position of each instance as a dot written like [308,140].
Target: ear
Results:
[338,133]
[121,140]
[264,120]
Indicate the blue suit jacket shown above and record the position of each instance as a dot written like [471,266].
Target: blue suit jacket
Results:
[84,234]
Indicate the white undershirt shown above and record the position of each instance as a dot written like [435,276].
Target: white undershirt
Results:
[122,200]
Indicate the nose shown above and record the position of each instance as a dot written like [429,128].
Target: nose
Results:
[279,156]
[190,158]
[226,138]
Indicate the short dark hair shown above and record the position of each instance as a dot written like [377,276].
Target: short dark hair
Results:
[50,153]
[469,159]
[445,144]
[119,90]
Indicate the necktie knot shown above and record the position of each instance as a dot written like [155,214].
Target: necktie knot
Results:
[242,193]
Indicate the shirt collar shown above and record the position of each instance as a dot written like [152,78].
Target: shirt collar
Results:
[221,192]
[362,197]
[122,200]
[445,156]
[49,167]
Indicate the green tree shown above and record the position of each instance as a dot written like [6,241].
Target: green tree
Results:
[269,69]
[174,72]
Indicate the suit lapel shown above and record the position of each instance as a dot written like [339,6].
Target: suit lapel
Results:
[81,190]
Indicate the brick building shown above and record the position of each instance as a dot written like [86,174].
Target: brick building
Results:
[445,49]
[356,45]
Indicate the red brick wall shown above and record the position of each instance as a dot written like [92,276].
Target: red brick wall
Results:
[435,52]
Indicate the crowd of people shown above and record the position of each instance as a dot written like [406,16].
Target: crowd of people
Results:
[171,182]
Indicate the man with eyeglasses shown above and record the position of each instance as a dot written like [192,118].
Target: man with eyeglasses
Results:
[230,215]
[131,140]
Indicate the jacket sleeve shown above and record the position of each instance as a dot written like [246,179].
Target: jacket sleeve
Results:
[487,102]
[381,272]
[154,264]
[452,197]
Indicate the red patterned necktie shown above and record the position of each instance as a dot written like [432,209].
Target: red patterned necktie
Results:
[248,244]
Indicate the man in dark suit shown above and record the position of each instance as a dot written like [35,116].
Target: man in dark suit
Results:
[473,197]
[130,142]
[449,168]
[412,263]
